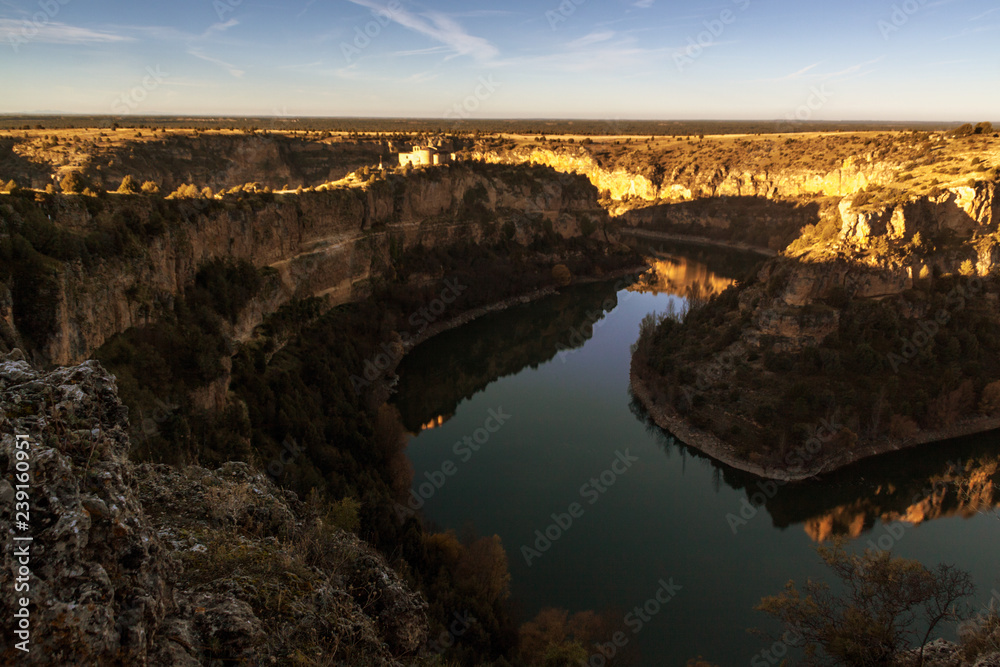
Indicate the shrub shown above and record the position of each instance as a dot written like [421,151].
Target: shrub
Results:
[128,186]
[963,131]
[73,183]
[561,274]
[990,403]
[902,428]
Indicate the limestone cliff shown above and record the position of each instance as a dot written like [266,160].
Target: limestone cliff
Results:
[628,189]
[328,243]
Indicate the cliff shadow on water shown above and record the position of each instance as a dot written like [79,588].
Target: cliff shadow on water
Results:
[753,222]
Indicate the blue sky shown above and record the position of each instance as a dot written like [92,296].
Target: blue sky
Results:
[645,59]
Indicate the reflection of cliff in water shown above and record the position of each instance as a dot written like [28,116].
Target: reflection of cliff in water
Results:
[963,488]
[456,364]
[960,479]
[680,276]
[681,264]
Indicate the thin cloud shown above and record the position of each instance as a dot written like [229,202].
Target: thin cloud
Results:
[592,38]
[305,9]
[439,27]
[218,28]
[971,31]
[799,74]
[809,74]
[985,14]
[232,69]
[421,52]
[643,4]
[54,32]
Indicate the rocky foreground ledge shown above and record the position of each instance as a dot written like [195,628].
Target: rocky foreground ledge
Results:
[149,564]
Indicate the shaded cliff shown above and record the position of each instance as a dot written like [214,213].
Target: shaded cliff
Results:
[108,264]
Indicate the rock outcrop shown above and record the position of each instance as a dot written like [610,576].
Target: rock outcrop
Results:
[622,185]
[163,566]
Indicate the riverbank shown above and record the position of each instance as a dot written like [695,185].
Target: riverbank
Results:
[385,389]
[668,419]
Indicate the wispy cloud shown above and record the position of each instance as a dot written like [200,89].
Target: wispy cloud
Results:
[232,69]
[592,38]
[219,28]
[971,31]
[643,4]
[985,14]
[305,9]
[798,74]
[420,52]
[810,73]
[438,26]
[54,32]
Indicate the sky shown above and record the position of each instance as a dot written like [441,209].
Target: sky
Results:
[609,59]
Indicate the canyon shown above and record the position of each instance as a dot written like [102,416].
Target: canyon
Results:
[853,230]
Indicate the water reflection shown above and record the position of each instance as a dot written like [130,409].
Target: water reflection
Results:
[680,276]
[459,363]
[959,479]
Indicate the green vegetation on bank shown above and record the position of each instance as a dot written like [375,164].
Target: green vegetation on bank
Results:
[884,368]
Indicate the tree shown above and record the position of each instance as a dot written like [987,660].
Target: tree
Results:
[561,274]
[73,183]
[885,603]
[151,188]
[984,128]
[990,403]
[128,186]
[11,186]
[967,268]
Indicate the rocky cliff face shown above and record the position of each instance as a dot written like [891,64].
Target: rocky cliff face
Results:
[326,243]
[961,210]
[623,185]
[161,566]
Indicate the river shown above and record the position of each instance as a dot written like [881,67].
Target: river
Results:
[532,408]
